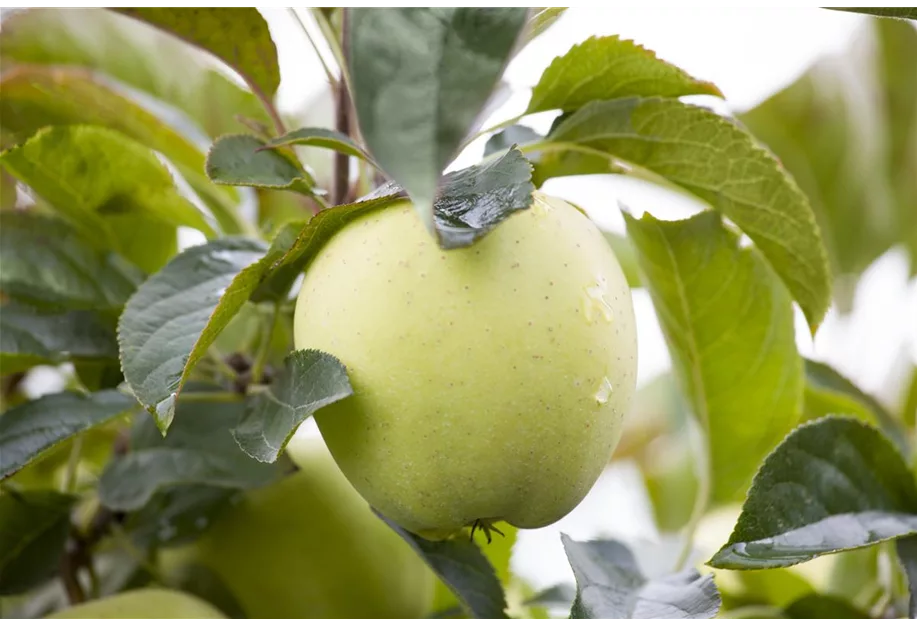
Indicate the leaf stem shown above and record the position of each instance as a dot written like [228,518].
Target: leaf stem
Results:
[69,483]
[264,349]
[702,499]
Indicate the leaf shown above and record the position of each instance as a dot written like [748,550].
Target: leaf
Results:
[540,20]
[238,37]
[610,585]
[177,313]
[463,568]
[907,555]
[30,338]
[44,261]
[28,430]
[33,529]
[309,381]
[280,279]
[825,382]
[560,595]
[420,78]
[604,68]
[321,138]
[902,13]
[510,137]
[198,451]
[627,257]
[834,484]
[241,160]
[177,515]
[721,164]
[107,185]
[728,322]
[136,54]
[818,606]
[475,200]
[34,97]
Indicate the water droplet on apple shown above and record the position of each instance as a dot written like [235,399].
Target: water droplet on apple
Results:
[595,301]
[604,392]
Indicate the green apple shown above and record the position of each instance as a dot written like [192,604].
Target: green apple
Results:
[490,382]
[146,603]
[309,546]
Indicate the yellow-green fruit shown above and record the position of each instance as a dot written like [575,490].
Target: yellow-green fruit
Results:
[309,546]
[147,603]
[490,382]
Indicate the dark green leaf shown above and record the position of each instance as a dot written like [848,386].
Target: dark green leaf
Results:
[475,200]
[463,568]
[834,484]
[242,160]
[238,37]
[33,530]
[310,380]
[199,450]
[610,585]
[604,68]
[902,13]
[29,338]
[818,606]
[28,430]
[420,78]
[907,554]
[172,319]
[136,54]
[321,138]
[826,382]
[177,515]
[36,96]
[514,135]
[114,189]
[722,164]
[562,595]
[728,322]
[44,261]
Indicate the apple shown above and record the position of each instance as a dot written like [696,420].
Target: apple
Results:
[490,382]
[309,546]
[145,603]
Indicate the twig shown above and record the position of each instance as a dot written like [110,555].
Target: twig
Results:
[69,564]
[342,123]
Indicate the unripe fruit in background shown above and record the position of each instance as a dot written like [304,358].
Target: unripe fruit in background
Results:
[146,603]
[490,382]
[309,546]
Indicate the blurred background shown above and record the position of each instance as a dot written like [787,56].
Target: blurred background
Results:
[812,83]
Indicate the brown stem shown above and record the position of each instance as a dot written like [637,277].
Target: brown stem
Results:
[342,123]
[69,565]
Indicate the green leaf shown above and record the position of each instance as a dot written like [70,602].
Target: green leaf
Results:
[321,138]
[420,78]
[728,322]
[199,450]
[30,429]
[242,160]
[309,381]
[722,164]
[136,54]
[176,314]
[627,257]
[114,189]
[540,20]
[610,585]
[902,13]
[280,279]
[907,555]
[238,37]
[204,583]
[177,515]
[44,261]
[827,390]
[834,484]
[475,200]
[33,529]
[8,193]
[604,68]
[819,606]
[463,568]
[35,96]
[30,338]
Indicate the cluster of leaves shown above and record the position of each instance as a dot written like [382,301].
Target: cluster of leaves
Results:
[185,389]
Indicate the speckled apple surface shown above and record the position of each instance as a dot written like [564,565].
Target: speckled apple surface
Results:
[490,382]
[148,603]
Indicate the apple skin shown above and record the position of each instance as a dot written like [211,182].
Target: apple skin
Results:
[145,603]
[490,382]
[309,546]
